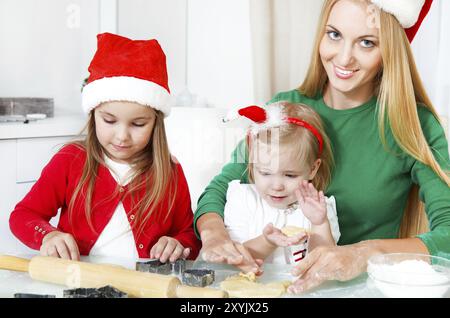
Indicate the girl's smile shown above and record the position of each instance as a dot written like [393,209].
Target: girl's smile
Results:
[277,199]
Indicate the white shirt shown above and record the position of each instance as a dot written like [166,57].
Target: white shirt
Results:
[117,239]
[246,214]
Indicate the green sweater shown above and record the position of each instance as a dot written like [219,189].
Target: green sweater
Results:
[370,183]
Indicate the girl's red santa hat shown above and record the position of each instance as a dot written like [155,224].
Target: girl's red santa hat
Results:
[409,13]
[127,70]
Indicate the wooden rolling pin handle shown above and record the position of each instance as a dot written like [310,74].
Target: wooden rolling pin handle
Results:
[13,263]
[184,291]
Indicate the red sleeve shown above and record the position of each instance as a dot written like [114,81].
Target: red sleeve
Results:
[29,221]
[182,227]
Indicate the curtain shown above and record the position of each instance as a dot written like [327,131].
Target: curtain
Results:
[431,49]
[282,39]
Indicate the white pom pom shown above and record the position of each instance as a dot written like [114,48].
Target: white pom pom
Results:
[275,115]
[231,115]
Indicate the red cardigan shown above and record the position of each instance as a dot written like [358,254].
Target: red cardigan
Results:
[29,221]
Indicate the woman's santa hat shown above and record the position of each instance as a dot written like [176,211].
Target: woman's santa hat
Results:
[270,117]
[409,13]
[127,70]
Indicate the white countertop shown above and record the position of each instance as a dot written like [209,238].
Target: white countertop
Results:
[60,125]
[19,282]
[66,124]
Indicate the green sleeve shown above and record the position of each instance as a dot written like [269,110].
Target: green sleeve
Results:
[214,197]
[434,192]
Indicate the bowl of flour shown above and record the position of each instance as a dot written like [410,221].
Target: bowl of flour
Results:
[408,275]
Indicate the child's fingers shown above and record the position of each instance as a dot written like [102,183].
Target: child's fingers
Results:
[72,248]
[52,251]
[313,192]
[299,195]
[268,229]
[321,197]
[158,248]
[304,189]
[168,250]
[298,238]
[62,249]
[280,241]
[177,253]
[186,252]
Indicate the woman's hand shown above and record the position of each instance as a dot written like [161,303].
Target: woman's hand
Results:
[275,237]
[312,203]
[59,244]
[224,250]
[219,248]
[168,248]
[330,263]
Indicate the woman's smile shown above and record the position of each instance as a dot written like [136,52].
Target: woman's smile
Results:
[344,73]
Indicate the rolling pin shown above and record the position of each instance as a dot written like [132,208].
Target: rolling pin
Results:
[76,274]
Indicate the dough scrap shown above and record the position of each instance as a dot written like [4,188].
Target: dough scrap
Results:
[245,286]
[291,230]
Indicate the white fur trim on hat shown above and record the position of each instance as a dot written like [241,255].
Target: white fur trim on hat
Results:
[125,88]
[406,11]
[275,118]
[231,115]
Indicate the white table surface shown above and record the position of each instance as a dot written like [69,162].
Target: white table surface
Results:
[19,282]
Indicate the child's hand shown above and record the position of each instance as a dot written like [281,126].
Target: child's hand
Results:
[170,249]
[59,244]
[312,203]
[275,237]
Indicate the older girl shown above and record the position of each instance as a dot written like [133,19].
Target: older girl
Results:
[120,192]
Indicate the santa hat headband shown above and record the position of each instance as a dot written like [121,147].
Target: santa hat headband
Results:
[409,13]
[127,70]
[271,117]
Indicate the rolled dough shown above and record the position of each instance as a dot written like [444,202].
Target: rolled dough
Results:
[245,286]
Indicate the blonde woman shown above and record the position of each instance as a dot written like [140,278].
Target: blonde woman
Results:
[390,149]
[120,192]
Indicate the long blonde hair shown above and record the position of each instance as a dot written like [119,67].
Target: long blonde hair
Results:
[399,89]
[153,172]
[299,139]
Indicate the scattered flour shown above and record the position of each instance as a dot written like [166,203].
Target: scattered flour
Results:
[409,278]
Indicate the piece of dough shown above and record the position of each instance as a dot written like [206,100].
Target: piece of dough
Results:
[291,230]
[245,286]
[250,276]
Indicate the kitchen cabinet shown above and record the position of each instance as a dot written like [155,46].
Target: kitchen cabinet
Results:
[21,162]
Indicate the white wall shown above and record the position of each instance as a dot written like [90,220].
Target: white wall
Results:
[164,21]
[46,46]
[219,53]
[431,49]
